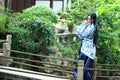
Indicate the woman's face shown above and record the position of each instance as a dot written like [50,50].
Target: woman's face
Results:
[89,19]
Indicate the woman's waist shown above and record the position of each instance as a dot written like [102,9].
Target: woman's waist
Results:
[88,40]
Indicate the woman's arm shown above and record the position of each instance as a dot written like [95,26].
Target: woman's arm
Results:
[88,31]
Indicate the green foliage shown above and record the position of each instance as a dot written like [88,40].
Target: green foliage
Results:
[44,13]
[108,47]
[109,31]
[3,18]
[2,23]
[108,24]
[79,10]
[32,32]
[70,48]
[1,9]
[33,29]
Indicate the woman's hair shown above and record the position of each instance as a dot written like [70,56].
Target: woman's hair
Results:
[94,18]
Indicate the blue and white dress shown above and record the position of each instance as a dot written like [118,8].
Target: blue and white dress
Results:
[88,48]
[86,33]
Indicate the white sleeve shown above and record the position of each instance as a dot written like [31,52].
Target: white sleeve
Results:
[89,30]
[80,29]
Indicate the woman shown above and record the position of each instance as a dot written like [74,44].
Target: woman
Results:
[87,31]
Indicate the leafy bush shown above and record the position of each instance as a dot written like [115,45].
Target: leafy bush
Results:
[108,24]
[2,20]
[32,31]
[79,10]
[109,32]
[2,23]
[42,12]
[33,34]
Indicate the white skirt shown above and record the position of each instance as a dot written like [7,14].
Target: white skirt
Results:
[89,49]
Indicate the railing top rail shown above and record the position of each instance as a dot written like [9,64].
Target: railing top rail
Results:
[35,61]
[19,71]
[2,41]
[108,77]
[95,69]
[111,65]
[31,54]
[40,67]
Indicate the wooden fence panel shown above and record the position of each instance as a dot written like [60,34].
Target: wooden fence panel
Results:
[14,6]
[19,5]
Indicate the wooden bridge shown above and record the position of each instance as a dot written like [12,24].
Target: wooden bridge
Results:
[9,72]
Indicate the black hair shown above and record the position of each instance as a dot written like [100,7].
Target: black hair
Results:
[94,18]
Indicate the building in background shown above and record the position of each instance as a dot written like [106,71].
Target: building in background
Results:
[19,5]
[57,5]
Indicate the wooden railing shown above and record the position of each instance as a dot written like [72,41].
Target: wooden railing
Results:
[9,60]
[5,51]
[27,62]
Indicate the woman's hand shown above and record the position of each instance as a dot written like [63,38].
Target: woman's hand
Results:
[75,26]
[84,22]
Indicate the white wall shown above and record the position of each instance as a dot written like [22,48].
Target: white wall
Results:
[43,3]
[57,5]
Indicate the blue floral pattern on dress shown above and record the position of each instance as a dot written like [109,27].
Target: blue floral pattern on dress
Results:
[86,33]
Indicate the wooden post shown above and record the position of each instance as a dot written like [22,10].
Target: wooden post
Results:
[6,50]
[51,4]
[3,60]
[95,72]
[8,44]
[63,5]
[80,70]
